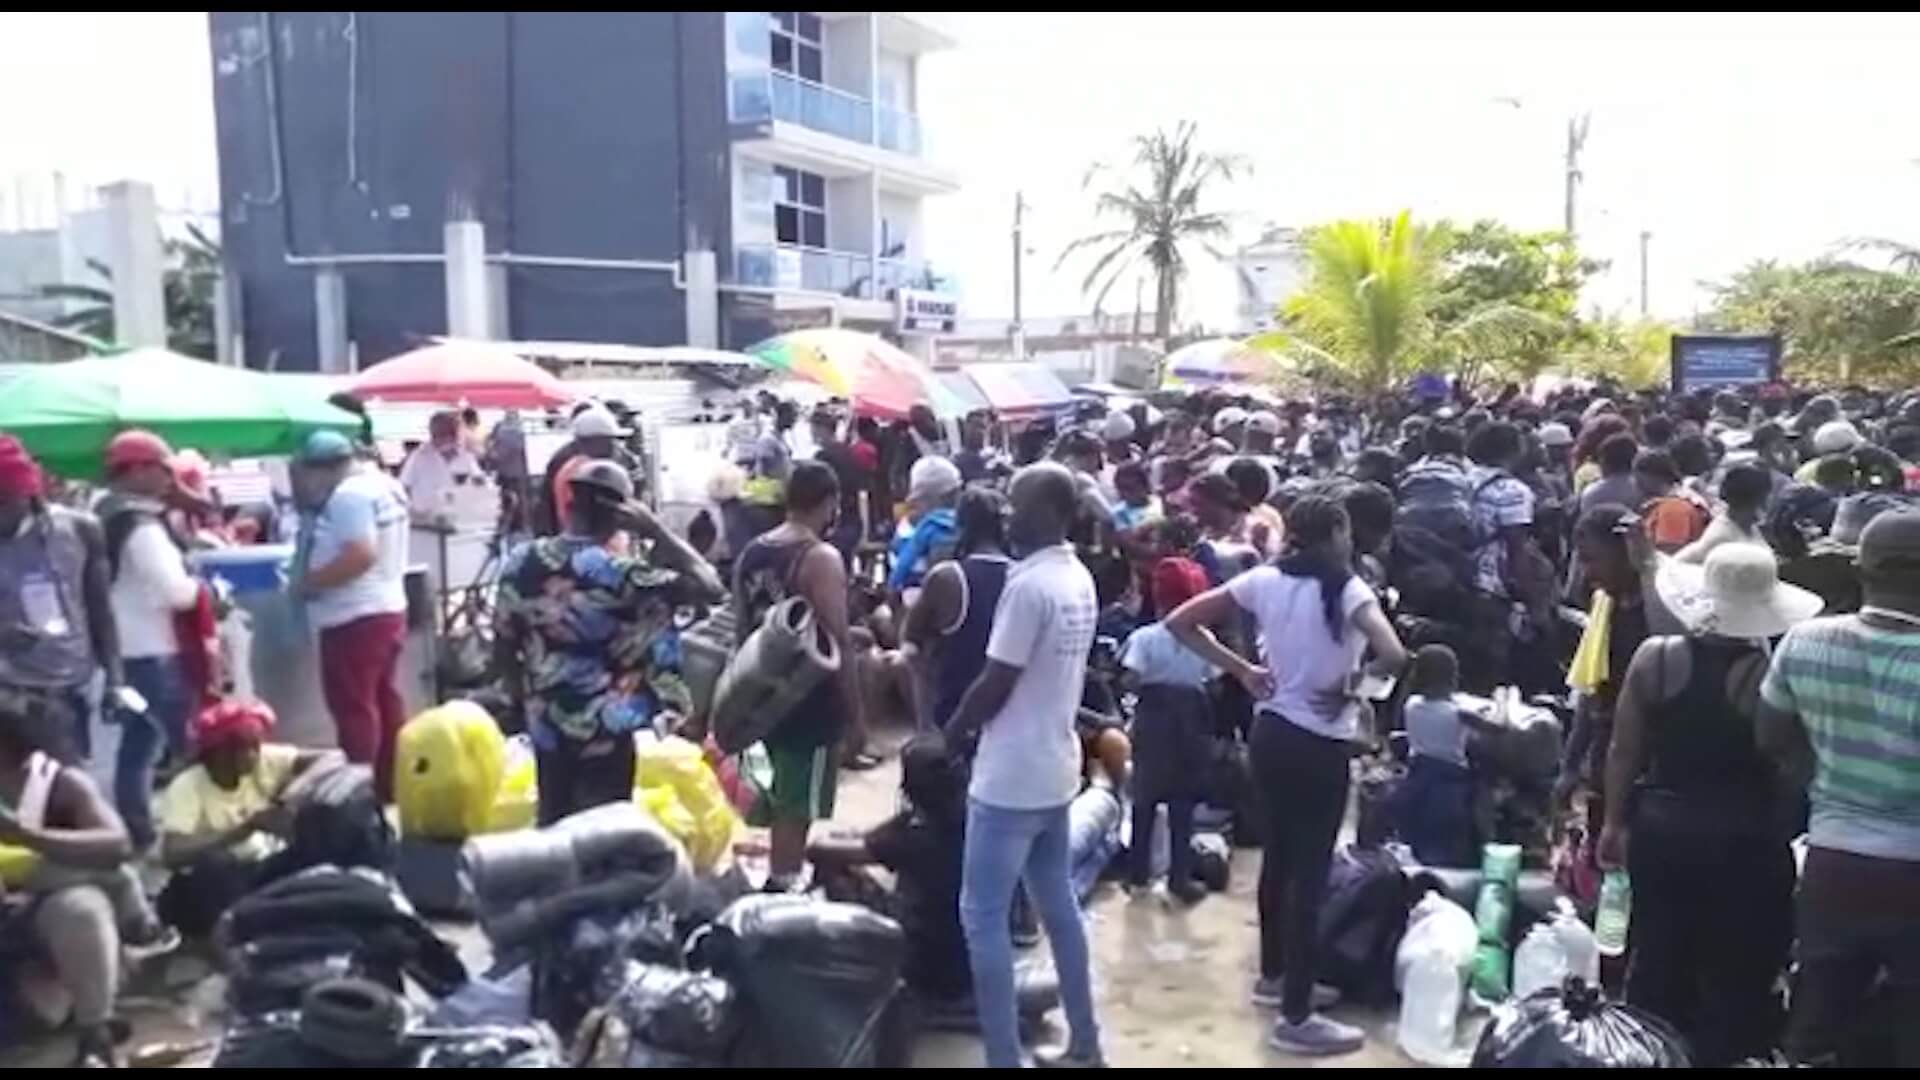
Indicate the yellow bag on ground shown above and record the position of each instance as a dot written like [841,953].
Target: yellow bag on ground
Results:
[680,767]
[448,764]
[517,804]
[17,864]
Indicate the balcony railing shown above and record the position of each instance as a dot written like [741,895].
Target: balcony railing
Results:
[774,95]
[899,131]
[842,273]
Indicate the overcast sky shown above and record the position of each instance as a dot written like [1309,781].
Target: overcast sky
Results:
[1729,137]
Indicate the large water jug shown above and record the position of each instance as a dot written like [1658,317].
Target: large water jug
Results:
[1430,1009]
[1540,962]
[1583,953]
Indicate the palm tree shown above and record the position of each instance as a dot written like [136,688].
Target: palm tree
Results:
[187,297]
[1366,313]
[1158,202]
[1364,310]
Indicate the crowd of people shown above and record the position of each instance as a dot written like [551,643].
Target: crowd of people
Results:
[1077,616]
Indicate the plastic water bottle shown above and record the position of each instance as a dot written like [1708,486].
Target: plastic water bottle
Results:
[1430,1009]
[1616,911]
[1540,962]
[1576,940]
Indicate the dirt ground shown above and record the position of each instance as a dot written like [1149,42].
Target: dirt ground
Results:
[1171,985]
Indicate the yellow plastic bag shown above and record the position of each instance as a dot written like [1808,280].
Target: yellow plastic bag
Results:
[1589,667]
[447,771]
[517,804]
[680,767]
[17,865]
[666,809]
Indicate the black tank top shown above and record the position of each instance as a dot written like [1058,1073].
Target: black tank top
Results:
[1699,743]
[964,651]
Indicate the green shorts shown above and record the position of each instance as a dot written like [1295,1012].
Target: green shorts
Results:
[804,784]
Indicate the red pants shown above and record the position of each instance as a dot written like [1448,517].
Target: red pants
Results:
[357,662]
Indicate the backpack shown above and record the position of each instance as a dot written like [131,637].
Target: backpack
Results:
[1674,521]
[1437,497]
[1435,537]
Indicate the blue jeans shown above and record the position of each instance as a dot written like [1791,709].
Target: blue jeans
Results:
[1093,837]
[143,739]
[1002,846]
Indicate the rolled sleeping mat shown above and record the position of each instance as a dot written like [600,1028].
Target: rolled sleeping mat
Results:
[500,869]
[778,665]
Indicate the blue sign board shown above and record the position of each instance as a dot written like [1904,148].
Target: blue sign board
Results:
[1724,360]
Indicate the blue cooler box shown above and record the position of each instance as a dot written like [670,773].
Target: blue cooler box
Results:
[254,569]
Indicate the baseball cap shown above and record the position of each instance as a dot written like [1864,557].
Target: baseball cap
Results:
[1835,437]
[1116,426]
[131,449]
[595,422]
[1265,421]
[1891,544]
[324,448]
[607,476]
[1555,434]
[1227,417]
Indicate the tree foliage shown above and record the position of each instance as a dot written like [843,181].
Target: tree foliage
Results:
[1159,200]
[1840,322]
[187,294]
[1386,299]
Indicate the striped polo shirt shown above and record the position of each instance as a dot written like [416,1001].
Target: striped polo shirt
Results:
[1856,689]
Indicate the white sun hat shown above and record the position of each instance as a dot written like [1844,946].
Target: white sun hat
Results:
[1736,593]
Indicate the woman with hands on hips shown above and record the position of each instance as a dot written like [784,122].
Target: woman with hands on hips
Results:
[1315,621]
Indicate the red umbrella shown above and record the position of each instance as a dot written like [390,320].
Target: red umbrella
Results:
[484,376]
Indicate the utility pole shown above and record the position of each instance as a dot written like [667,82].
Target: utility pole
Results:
[1576,140]
[1019,253]
[1645,236]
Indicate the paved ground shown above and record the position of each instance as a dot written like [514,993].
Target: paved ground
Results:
[1171,984]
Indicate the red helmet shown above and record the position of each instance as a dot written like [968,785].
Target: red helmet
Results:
[134,448]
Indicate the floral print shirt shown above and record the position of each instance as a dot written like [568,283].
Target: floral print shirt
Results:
[596,638]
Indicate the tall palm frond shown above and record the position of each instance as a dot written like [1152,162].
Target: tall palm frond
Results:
[1900,254]
[1365,302]
[1157,199]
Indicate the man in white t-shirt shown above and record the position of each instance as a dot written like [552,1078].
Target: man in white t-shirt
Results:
[435,472]
[1026,771]
[150,587]
[351,568]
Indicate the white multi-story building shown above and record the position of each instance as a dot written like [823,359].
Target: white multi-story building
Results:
[830,165]
[1266,272]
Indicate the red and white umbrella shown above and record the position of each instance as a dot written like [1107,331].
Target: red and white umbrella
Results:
[482,375]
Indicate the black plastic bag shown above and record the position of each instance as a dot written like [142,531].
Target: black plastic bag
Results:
[586,962]
[816,979]
[1212,861]
[1575,1027]
[523,1047]
[685,1012]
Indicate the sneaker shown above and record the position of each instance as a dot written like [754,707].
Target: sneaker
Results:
[1316,1036]
[1269,994]
[149,942]
[1068,1059]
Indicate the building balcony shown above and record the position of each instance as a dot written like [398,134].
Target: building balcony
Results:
[793,268]
[767,96]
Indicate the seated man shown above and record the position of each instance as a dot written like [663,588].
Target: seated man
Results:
[222,816]
[82,901]
[922,846]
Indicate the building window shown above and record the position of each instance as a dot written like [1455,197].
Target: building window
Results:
[796,44]
[799,207]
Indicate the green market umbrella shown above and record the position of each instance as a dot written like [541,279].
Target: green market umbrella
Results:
[65,413]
